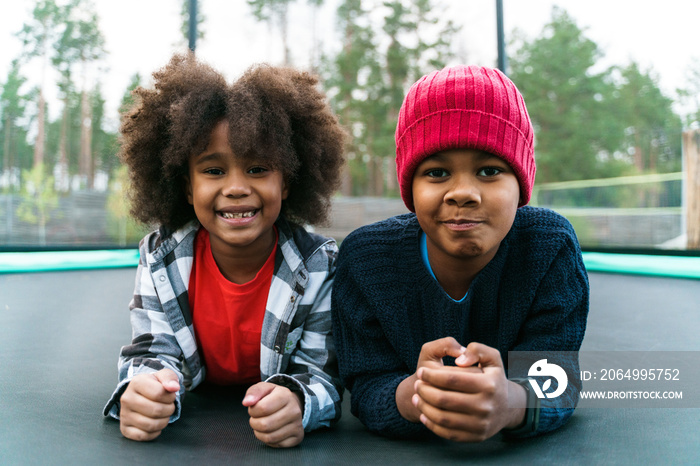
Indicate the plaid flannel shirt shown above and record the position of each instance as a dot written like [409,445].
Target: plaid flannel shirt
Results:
[296,348]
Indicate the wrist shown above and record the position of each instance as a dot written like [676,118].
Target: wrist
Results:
[528,411]
[404,399]
[517,403]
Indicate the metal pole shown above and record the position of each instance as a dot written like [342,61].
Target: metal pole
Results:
[502,59]
[193,25]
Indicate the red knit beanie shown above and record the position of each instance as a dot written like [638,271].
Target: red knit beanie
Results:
[464,107]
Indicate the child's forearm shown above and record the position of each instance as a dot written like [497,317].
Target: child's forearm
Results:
[517,399]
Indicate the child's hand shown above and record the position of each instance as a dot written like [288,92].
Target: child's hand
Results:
[147,403]
[275,414]
[468,406]
[431,355]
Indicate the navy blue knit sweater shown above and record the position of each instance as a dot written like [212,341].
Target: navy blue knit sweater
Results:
[532,296]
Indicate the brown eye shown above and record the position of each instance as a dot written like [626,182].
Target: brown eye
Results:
[437,173]
[257,170]
[489,171]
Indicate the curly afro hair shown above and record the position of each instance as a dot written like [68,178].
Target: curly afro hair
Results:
[275,114]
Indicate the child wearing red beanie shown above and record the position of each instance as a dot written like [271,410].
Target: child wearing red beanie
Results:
[427,305]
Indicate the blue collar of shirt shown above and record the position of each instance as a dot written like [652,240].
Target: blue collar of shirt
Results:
[426,261]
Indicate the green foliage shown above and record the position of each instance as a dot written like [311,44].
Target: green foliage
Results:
[369,76]
[12,103]
[577,125]
[128,98]
[104,143]
[38,37]
[16,151]
[652,128]
[588,123]
[65,130]
[39,199]
[81,40]
[121,226]
[267,10]
[39,34]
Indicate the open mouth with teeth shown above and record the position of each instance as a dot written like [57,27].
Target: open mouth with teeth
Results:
[232,215]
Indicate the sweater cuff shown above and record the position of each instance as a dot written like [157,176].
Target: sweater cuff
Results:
[113,406]
[297,388]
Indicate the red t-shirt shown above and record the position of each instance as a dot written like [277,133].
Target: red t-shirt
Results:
[228,317]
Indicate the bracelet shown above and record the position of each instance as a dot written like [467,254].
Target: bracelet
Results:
[532,411]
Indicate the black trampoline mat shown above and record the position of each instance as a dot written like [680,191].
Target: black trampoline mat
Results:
[60,335]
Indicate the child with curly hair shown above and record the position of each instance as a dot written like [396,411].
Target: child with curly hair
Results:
[427,305]
[230,289]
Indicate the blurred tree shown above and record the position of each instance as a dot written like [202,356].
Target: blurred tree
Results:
[13,107]
[81,43]
[345,77]
[39,199]
[121,226]
[276,12]
[118,203]
[315,55]
[66,88]
[370,75]
[690,95]
[104,143]
[63,138]
[652,129]
[128,97]
[185,16]
[578,128]
[38,37]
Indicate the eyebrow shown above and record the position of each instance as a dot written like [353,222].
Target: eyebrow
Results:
[214,156]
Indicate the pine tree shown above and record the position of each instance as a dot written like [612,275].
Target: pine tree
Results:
[652,129]
[371,74]
[13,107]
[578,128]
[38,37]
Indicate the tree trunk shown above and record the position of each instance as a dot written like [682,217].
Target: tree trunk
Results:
[377,178]
[391,179]
[284,29]
[42,224]
[346,180]
[86,168]
[691,149]
[63,179]
[315,58]
[7,160]
[41,132]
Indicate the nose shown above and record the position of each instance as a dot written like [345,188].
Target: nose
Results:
[463,192]
[236,185]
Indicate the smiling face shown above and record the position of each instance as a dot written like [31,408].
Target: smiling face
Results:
[236,199]
[465,202]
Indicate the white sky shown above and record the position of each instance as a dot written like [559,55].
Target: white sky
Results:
[141,35]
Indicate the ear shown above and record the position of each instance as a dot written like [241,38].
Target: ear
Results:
[188,188]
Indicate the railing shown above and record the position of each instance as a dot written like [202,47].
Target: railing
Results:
[645,211]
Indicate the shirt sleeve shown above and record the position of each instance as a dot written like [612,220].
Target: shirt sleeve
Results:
[153,346]
[557,323]
[312,369]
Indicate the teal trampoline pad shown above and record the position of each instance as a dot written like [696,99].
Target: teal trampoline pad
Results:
[17,262]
